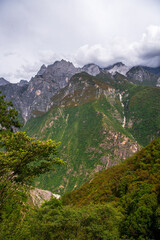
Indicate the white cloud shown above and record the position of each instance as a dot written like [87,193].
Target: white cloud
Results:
[34,32]
[145,51]
[148,48]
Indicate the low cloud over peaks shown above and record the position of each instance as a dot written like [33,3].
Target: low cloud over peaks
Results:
[36,32]
[146,51]
[149,46]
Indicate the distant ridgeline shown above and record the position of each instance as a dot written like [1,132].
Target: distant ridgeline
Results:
[101,116]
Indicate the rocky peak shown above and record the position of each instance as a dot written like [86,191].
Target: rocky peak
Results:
[118,67]
[47,83]
[3,82]
[62,67]
[138,73]
[91,69]
[154,70]
[60,72]
[42,70]
[23,83]
[82,88]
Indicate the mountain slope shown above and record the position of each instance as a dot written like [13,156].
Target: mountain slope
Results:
[141,76]
[141,107]
[87,117]
[133,187]
[100,120]
[3,82]
[120,180]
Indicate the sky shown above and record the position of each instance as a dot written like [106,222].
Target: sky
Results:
[36,32]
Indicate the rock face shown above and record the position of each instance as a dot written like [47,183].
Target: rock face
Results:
[39,196]
[118,67]
[139,74]
[35,97]
[23,83]
[155,70]
[15,93]
[42,70]
[91,69]
[3,82]
[45,85]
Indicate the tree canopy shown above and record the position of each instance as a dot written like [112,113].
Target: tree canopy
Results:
[22,158]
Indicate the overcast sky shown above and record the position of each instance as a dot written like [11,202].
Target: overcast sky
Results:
[36,32]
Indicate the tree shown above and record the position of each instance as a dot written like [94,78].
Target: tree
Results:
[8,115]
[22,158]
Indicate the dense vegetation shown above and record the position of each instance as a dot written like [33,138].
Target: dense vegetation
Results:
[122,202]
[133,186]
[88,118]
[88,121]
[141,108]
[22,158]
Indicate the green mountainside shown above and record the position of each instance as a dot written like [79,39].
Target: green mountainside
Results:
[134,176]
[99,121]
[141,108]
[133,187]
[110,185]
[119,203]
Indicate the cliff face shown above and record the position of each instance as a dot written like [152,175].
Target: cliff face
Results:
[3,82]
[35,96]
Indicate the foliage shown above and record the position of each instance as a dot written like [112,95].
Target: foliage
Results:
[141,107]
[82,130]
[8,115]
[23,158]
[135,186]
[88,122]
[54,221]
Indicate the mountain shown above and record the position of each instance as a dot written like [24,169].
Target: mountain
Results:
[15,92]
[155,70]
[100,120]
[91,69]
[3,82]
[118,181]
[141,76]
[132,187]
[118,67]
[87,117]
[97,119]
[141,107]
[23,83]
[34,97]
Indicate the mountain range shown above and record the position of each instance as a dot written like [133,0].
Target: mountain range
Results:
[100,115]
